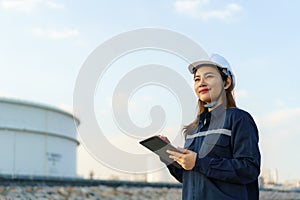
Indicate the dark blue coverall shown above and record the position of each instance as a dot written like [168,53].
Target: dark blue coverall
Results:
[228,157]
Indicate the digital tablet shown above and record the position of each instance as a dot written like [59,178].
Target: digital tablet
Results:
[159,146]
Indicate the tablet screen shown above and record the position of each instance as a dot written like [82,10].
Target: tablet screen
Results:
[159,146]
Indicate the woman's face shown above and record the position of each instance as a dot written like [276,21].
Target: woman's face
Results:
[208,84]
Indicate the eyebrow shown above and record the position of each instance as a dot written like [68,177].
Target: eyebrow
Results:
[204,74]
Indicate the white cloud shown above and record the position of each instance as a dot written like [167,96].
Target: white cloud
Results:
[279,139]
[29,5]
[55,34]
[54,5]
[196,9]
[189,6]
[19,5]
[6,95]
[279,103]
[241,93]
[282,117]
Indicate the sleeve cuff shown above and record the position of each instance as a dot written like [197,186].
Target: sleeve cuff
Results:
[202,165]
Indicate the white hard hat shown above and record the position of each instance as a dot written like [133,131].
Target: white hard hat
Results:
[216,60]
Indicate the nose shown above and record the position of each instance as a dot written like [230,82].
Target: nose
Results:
[201,82]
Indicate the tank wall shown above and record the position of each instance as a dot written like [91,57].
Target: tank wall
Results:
[37,141]
[29,149]
[38,155]
[61,157]
[6,152]
[34,118]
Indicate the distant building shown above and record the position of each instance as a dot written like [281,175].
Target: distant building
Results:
[269,176]
[36,140]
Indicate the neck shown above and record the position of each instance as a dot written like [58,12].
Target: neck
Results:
[213,107]
[220,100]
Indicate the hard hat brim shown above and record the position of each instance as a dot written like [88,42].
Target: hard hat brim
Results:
[196,65]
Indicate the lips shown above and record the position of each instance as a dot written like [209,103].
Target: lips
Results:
[202,91]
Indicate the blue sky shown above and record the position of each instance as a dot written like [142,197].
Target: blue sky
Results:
[45,42]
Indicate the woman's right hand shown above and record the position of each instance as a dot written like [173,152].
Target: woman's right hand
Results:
[164,138]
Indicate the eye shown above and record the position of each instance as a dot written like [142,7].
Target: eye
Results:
[209,76]
[196,79]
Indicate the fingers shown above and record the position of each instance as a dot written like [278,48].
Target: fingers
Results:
[182,150]
[186,159]
[164,138]
[174,153]
[178,157]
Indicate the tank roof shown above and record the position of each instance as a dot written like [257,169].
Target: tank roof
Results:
[37,105]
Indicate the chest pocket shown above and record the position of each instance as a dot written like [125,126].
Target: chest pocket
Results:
[216,145]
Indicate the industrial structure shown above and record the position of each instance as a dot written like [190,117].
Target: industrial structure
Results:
[36,140]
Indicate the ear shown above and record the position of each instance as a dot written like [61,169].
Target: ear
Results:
[228,83]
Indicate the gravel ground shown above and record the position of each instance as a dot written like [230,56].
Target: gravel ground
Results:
[111,193]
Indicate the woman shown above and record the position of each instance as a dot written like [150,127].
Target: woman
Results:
[220,158]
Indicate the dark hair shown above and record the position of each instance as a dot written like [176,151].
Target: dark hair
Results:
[229,100]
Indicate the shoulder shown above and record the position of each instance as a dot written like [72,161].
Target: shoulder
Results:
[237,116]
[241,123]
[238,113]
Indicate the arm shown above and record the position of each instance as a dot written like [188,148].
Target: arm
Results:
[174,171]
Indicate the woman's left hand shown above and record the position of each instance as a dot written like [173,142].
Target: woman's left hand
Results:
[186,159]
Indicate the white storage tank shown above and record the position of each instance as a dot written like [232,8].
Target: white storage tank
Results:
[36,140]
